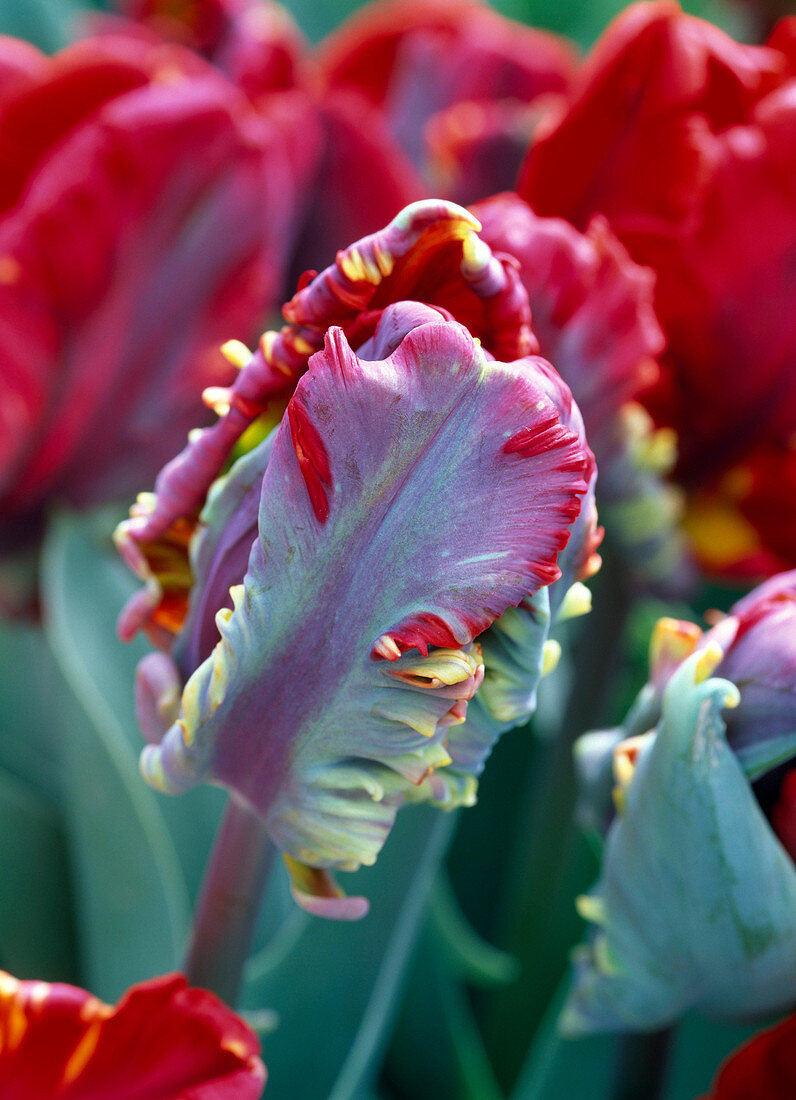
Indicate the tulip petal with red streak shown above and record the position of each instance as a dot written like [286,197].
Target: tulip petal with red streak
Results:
[764,1068]
[428,253]
[592,312]
[350,533]
[162,1039]
[173,250]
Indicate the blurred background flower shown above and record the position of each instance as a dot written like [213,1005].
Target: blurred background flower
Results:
[162,1039]
[460,86]
[764,1067]
[698,868]
[682,138]
[146,209]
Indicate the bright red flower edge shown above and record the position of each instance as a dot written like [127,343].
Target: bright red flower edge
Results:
[162,1040]
[763,1069]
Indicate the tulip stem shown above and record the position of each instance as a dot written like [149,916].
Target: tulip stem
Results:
[550,861]
[642,1063]
[232,890]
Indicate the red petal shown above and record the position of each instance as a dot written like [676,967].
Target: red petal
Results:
[762,1069]
[162,1039]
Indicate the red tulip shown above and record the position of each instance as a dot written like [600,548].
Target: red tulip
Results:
[633,141]
[145,211]
[162,1040]
[683,139]
[454,81]
[763,1069]
[353,175]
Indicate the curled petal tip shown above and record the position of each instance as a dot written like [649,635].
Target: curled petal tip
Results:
[476,254]
[157,695]
[417,214]
[315,891]
[672,641]
[386,647]
[217,398]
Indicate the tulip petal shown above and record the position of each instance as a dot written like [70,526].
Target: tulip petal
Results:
[406,504]
[162,1039]
[172,251]
[513,652]
[428,253]
[592,312]
[696,901]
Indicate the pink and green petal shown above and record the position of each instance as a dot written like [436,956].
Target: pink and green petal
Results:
[429,253]
[406,504]
[696,900]
[593,314]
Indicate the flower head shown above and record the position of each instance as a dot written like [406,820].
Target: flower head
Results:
[143,211]
[592,312]
[681,137]
[764,1067]
[347,568]
[699,862]
[757,641]
[162,1039]
[460,86]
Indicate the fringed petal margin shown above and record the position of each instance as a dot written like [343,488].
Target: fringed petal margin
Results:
[406,504]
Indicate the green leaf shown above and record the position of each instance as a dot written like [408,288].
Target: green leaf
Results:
[338,982]
[131,897]
[28,748]
[48,24]
[558,1068]
[437,1049]
[36,934]
[699,1047]
[468,956]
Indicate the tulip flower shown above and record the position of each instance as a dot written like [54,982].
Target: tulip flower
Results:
[254,42]
[592,312]
[353,176]
[162,1039]
[144,210]
[461,87]
[416,490]
[696,903]
[764,1067]
[682,138]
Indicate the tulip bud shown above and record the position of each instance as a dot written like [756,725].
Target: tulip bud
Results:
[696,903]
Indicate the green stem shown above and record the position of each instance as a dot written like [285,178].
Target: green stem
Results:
[230,900]
[549,856]
[642,1063]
